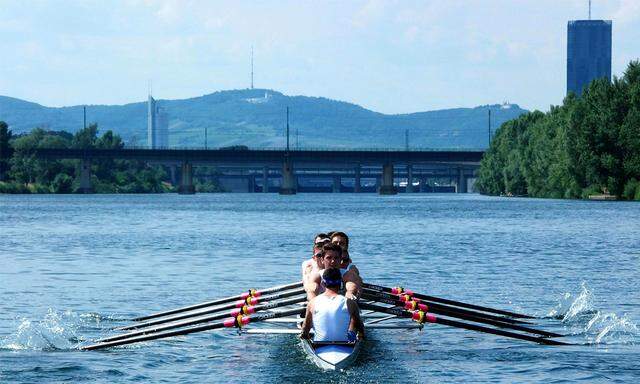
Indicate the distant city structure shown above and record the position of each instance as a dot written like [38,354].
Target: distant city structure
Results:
[588,53]
[157,125]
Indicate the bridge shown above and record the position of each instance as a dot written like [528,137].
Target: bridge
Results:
[259,166]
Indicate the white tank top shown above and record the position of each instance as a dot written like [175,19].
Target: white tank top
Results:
[330,318]
[342,270]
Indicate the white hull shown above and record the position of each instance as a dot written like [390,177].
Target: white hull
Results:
[332,356]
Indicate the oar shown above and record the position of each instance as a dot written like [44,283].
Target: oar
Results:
[460,314]
[238,304]
[251,292]
[407,297]
[245,310]
[399,290]
[238,321]
[423,317]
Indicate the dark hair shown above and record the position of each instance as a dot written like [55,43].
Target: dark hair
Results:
[341,234]
[330,234]
[332,278]
[331,247]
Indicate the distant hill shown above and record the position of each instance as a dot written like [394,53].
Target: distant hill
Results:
[256,118]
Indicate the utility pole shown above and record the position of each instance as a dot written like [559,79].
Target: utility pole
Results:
[406,139]
[205,137]
[489,127]
[287,129]
[589,9]
[84,119]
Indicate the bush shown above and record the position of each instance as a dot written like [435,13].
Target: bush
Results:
[62,183]
[632,190]
[13,188]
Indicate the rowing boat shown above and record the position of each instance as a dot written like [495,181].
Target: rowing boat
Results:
[332,356]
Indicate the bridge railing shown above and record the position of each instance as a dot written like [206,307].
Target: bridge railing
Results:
[314,149]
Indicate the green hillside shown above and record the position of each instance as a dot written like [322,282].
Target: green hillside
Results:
[256,118]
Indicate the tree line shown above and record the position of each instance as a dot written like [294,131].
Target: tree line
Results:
[22,172]
[589,145]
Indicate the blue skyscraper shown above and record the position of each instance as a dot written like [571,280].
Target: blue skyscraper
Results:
[157,125]
[588,53]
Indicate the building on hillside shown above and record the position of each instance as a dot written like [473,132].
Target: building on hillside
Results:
[588,53]
[157,125]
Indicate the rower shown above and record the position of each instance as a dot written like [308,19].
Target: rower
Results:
[314,264]
[347,268]
[331,257]
[332,316]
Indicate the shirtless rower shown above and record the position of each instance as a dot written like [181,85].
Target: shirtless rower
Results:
[331,258]
[347,268]
[331,315]
[314,264]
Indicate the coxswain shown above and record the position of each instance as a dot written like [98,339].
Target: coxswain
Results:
[330,314]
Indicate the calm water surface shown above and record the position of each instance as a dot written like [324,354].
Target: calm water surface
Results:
[73,267]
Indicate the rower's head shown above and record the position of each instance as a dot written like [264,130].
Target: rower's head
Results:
[320,240]
[341,239]
[332,279]
[331,255]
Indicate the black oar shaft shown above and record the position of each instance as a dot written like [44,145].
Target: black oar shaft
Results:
[459,324]
[466,316]
[201,312]
[201,328]
[217,302]
[452,302]
[200,320]
[433,304]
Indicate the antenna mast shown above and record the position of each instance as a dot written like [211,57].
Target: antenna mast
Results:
[287,129]
[252,67]
[589,9]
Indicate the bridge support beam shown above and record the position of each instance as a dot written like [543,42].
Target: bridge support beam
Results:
[409,178]
[356,181]
[288,186]
[423,185]
[265,179]
[461,186]
[337,183]
[251,184]
[85,177]
[387,187]
[186,182]
[173,171]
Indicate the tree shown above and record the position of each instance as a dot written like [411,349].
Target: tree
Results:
[5,149]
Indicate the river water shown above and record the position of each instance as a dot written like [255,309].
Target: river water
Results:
[73,267]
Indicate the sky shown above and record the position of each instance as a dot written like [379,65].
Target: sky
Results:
[388,56]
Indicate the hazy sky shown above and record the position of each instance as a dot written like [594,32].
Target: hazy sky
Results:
[389,56]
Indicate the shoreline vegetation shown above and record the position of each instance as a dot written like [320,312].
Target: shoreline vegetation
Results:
[589,147]
[22,173]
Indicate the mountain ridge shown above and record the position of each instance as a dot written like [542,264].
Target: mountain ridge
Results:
[256,118]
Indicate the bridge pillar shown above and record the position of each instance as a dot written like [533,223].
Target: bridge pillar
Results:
[387,187]
[251,184]
[173,171]
[288,186]
[423,185]
[85,177]
[356,181]
[461,186]
[409,178]
[186,182]
[265,179]
[337,183]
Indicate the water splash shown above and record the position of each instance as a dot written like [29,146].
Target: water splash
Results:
[56,331]
[579,313]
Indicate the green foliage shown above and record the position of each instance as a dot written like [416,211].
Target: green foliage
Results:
[5,149]
[32,175]
[589,145]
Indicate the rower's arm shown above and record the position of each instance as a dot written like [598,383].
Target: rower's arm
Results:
[352,284]
[312,286]
[355,324]
[308,321]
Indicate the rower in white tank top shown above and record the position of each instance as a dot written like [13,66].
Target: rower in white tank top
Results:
[331,318]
